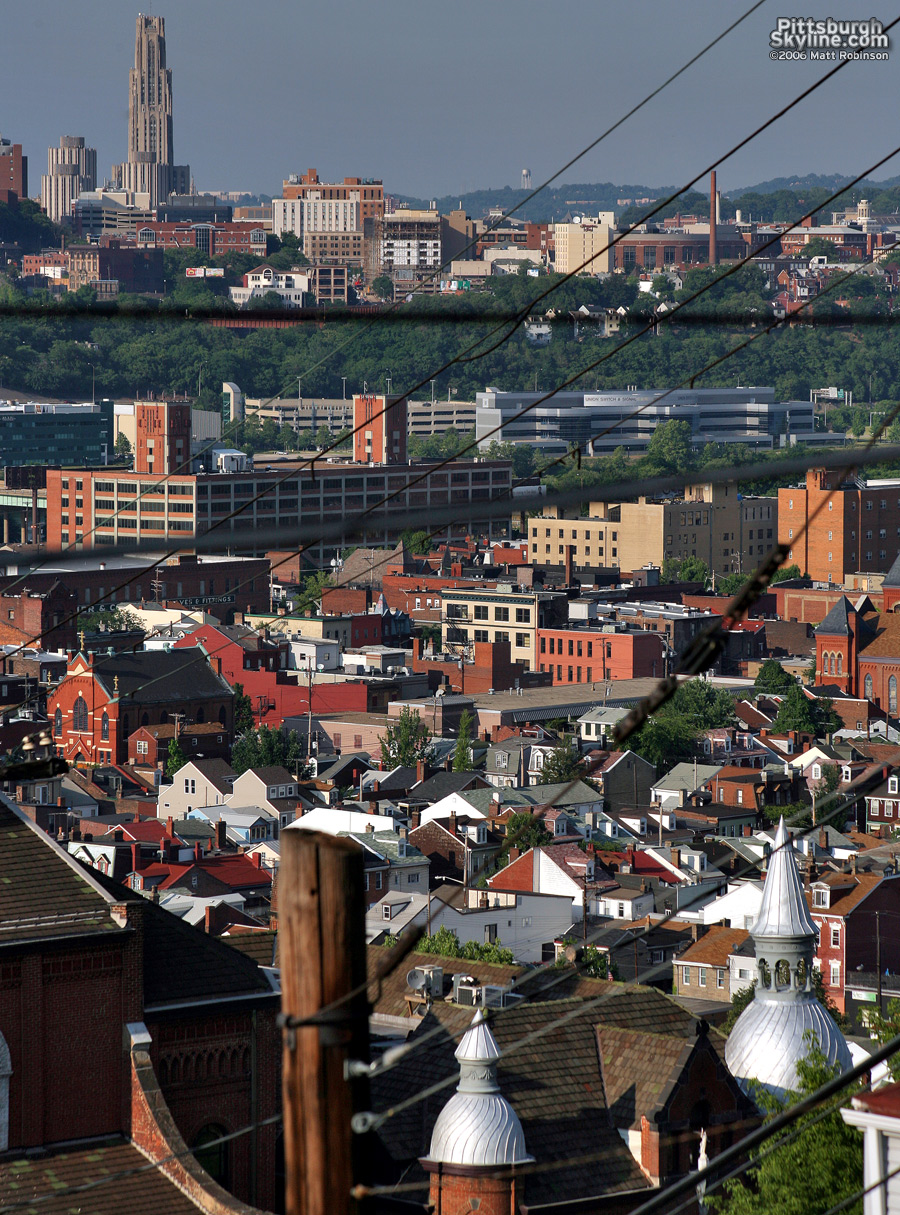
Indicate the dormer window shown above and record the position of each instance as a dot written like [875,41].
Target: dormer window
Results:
[502,759]
[386,911]
[817,771]
[846,774]
[481,835]
[821,897]
[892,784]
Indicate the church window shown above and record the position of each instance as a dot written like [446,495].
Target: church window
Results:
[5,1073]
[869,691]
[840,664]
[104,728]
[57,722]
[892,694]
[80,715]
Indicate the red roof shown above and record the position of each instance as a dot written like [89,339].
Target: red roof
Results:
[640,863]
[236,871]
[145,831]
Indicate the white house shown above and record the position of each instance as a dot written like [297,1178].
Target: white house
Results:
[292,285]
[333,821]
[201,782]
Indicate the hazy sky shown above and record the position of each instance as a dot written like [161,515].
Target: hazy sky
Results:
[445,98]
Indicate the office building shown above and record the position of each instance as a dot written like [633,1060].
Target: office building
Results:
[13,171]
[32,433]
[288,211]
[93,508]
[603,421]
[584,247]
[124,265]
[506,613]
[150,165]
[214,239]
[857,531]
[728,531]
[406,246]
[379,426]
[106,212]
[71,170]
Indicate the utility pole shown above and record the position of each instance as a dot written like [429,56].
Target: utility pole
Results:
[324,1018]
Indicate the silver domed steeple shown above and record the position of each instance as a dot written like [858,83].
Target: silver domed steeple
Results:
[478,1126]
[768,1039]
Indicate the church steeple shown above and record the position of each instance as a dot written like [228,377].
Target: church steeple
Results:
[769,1038]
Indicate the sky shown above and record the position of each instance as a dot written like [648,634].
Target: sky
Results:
[437,98]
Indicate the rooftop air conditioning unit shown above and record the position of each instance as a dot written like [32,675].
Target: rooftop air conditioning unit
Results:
[434,980]
[468,995]
[457,981]
[492,996]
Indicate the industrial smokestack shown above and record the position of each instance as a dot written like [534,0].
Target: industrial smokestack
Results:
[712,218]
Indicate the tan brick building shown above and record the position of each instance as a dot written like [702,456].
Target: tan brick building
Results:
[858,529]
[713,523]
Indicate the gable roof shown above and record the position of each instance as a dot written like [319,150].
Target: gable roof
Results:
[153,676]
[715,946]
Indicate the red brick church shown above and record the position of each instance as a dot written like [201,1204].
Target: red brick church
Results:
[858,650]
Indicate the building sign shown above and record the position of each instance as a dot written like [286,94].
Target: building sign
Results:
[194,271]
[864,997]
[201,600]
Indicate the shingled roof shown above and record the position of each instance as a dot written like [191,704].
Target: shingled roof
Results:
[553,1081]
[44,892]
[151,676]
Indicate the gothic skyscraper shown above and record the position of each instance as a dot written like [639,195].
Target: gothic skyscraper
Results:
[150,166]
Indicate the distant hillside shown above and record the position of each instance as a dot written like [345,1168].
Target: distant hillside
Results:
[558,201]
[551,204]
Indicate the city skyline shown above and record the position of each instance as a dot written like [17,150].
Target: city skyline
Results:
[251,110]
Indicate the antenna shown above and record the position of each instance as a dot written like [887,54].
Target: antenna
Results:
[416,979]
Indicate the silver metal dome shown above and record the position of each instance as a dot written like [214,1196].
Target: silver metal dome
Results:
[783,912]
[770,1036]
[768,1042]
[478,1126]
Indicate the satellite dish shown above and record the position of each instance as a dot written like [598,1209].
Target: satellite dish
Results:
[416,979]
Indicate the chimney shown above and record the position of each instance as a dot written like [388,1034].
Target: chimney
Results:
[629,854]
[451,825]
[415,819]
[569,563]
[118,835]
[198,851]
[221,841]
[373,808]
[135,857]
[404,834]
[370,828]
[676,857]
[747,830]
[170,829]
[376,786]
[713,257]
[514,854]
[256,858]
[420,771]
[823,839]
[853,864]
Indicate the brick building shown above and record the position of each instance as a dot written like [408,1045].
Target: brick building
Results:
[201,1046]
[488,668]
[856,915]
[102,700]
[214,239]
[583,655]
[857,530]
[134,267]
[858,652]
[13,172]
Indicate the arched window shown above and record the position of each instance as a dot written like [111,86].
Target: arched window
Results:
[201,715]
[80,716]
[892,694]
[840,664]
[104,727]
[163,718]
[57,722]
[211,1154]
[222,716]
[5,1073]
[126,726]
[145,719]
[869,691]
[832,664]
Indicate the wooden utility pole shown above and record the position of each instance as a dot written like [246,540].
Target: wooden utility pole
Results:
[321,920]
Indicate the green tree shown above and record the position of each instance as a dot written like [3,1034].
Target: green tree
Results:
[175,758]
[383,287]
[406,742]
[707,706]
[562,765]
[795,712]
[417,540]
[462,760]
[523,831]
[689,569]
[266,748]
[445,943]
[310,594]
[811,1172]
[819,247]
[786,572]
[884,1026]
[123,446]
[243,711]
[111,619]
[670,448]
[772,677]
